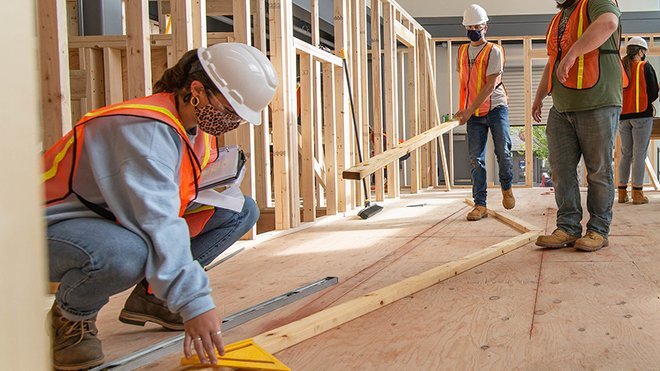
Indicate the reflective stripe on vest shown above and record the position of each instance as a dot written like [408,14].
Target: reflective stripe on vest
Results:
[635,99]
[474,77]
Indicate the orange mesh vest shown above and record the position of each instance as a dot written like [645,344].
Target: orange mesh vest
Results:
[61,160]
[634,96]
[585,72]
[473,78]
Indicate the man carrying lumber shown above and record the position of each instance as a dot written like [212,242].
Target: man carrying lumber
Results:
[483,105]
[586,79]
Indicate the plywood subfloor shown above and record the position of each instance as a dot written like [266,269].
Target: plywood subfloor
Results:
[530,309]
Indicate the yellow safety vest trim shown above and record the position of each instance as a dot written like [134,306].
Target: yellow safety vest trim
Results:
[56,162]
[479,72]
[580,74]
[207,150]
[199,209]
[50,173]
[637,75]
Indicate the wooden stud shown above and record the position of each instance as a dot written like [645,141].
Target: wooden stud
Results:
[364,89]
[510,220]
[450,85]
[307,124]
[423,111]
[54,71]
[377,94]
[138,49]
[319,155]
[391,115]
[651,172]
[182,34]
[529,138]
[316,38]
[344,195]
[329,137]
[413,117]
[198,15]
[112,76]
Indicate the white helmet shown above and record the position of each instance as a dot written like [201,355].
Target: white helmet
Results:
[244,76]
[474,15]
[638,41]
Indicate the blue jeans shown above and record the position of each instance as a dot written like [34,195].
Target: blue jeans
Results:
[635,136]
[95,258]
[497,120]
[589,134]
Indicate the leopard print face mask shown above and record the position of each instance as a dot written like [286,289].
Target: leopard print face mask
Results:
[214,121]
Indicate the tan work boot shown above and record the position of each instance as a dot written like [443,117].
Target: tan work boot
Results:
[638,196]
[623,194]
[508,201]
[75,345]
[556,240]
[479,212]
[591,241]
[142,307]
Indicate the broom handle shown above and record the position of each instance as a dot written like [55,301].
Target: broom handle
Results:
[357,135]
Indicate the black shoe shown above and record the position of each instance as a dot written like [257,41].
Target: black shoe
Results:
[142,307]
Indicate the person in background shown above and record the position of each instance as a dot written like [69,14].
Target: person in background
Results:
[483,106]
[584,74]
[120,190]
[636,121]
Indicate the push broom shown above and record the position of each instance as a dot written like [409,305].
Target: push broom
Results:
[369,208]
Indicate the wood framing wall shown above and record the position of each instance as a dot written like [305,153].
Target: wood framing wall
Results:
[295,161]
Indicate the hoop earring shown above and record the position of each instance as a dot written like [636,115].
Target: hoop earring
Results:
[194,101]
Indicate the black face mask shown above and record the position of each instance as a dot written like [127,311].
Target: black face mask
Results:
[474,35]
[643,57]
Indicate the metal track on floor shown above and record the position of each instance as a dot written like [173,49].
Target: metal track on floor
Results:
[157,351]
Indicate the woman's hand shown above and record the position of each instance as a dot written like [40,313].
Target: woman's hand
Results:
[203,333]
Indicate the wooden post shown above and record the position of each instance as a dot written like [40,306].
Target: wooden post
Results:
[377,93]
[329,137]
[54,57]
[413,117]
[361,63]
[391,118]
[529,137]
[114,92]
[307,182]
[450,96]
[138,49]
[94,71]
[198,14]
[262,141]
[182,32]
[287,212]
[425,153]
[344,195]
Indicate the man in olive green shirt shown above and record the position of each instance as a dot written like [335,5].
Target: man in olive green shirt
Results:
[582,122]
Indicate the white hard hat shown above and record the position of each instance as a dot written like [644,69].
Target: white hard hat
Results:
[636,40]
[474,15]
[244,76]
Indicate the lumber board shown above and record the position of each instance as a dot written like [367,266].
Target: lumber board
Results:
[510,220]
[318,54]
[404,35]
[296,332]
[390,90]
[138,50]
[652,174]
[329,137]
[363,92]
[100,41]
[527,88]
[413,117]
[307,182]
[112,73]
[182,30]
[360,171]
[377,94]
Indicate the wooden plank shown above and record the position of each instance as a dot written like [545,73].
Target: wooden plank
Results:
[404,35]
[319,156]
[437,116]
[413,118]
[307,182]
[343,129]
[112,76]
[100,41]
[364,89]
[652,174]
[450,102]
[391,115]
[220,37]
[377,94]
[198,14]
[281,109]
[314,22]
[262,168]
[296,332]
[138,50]
[360,171]
[182,32]
[329,138]
[54,71]
[353,60]
[510,220]
[529,137]
[95,89]
[422,91]
[318,54]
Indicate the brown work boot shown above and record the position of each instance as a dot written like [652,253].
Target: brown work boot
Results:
[75,345]
[142,307]
[508,201]
[591,241]
[638,196]
[479,212]
[623,194]
[556,240]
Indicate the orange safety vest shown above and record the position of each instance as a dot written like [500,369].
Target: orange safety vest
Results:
[61,160]
[585,72]
[635,99]
[473,78]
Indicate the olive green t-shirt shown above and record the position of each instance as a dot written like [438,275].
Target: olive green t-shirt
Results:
[609,89]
